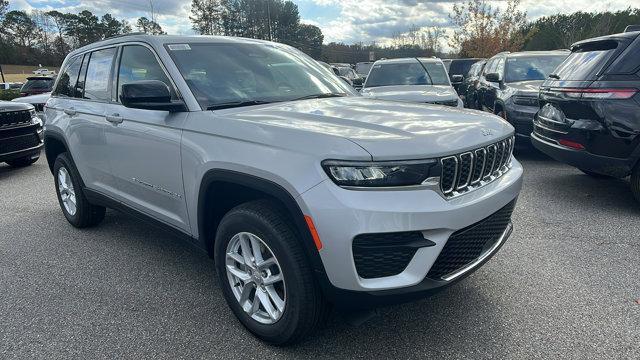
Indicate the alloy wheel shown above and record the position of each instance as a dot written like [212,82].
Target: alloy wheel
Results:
[67,192]
[255,278]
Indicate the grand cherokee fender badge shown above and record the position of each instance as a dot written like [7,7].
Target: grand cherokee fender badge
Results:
[157,188]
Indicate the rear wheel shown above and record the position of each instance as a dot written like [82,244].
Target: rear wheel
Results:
[22,162]
[635,182]
[264,274]
[75,206]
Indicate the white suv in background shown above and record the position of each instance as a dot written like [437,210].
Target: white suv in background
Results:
[303,192]
[418,80]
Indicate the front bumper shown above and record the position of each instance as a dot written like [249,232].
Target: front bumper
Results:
[521,117]
[340,215]
[20,142]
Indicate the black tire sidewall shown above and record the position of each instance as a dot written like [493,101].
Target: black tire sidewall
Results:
[236,222]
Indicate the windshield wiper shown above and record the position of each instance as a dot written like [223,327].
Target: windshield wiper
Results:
[233,104]
[320,96]
[554,76]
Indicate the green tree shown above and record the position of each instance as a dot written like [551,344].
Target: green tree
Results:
[207,16]
[20,28]
[149,26]
[112,27]
[309,39]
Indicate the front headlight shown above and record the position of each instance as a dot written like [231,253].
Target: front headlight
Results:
[35,119]
[379,174]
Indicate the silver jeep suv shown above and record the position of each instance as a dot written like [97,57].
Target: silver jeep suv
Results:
[304,193]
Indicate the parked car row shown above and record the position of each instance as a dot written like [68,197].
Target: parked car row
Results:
[579,106]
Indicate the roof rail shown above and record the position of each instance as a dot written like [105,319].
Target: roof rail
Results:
[127,34]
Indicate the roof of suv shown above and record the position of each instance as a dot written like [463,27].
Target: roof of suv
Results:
[407,60]
[160,40]
[619,36]
[537,53]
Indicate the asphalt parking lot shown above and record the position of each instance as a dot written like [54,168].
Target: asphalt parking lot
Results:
[565,285]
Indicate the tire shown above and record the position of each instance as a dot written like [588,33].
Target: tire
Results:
[82,214]
[22,162]
[635,182]
[304,307]
[595,174]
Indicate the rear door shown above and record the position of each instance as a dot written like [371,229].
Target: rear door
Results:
[78,106]
[144,145]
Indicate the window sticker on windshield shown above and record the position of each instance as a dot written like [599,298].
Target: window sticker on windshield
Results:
[512,60]
[179,47]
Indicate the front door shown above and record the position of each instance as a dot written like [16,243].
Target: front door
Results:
[145,145]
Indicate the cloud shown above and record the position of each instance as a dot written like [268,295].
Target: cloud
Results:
[346,21]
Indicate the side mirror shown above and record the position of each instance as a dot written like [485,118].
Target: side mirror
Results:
[457,78]
[149,95]
[492,77]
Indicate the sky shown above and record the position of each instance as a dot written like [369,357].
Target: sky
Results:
[348,21]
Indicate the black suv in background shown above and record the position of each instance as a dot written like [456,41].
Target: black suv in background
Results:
[37,85]
[20,134]
[468,88]
[509,86]
[459,67]
[589,113]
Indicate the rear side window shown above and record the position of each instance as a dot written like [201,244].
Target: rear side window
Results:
[97,84]
[584,63]
[68,78]
[139,63]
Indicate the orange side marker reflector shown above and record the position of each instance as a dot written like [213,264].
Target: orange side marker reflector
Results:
[314,232]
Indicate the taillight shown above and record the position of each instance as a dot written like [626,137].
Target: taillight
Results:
[571,144]
[588,93]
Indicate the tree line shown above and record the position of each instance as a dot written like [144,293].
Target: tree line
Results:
[480,30]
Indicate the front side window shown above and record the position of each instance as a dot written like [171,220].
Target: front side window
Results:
[97,83]
[500,67]
[413,73]
[68,78]
[525,68]
[237,74]
[139,63]
[490,67]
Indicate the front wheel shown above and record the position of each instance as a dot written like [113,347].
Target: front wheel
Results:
[264,275]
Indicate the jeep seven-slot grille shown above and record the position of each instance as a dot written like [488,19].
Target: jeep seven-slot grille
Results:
[466,171]
[14,118]
[466,245]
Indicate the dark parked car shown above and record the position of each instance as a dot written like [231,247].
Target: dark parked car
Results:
[509,86]
[37,85]
[468,88]
[589,113]
[20,134]
[350,74]
[457,69]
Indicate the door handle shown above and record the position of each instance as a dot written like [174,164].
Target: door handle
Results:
[115,119]
[69,112]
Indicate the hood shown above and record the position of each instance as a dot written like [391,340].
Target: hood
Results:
[12,106]
[34,99]
[412,93]
[530,87]
[387,130]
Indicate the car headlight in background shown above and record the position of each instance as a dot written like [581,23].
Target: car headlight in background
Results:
[379,174]
[525,100]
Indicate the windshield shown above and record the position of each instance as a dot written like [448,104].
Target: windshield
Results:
[363,68]
[531,68]
[39,84]
[413,73]
[219,74]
